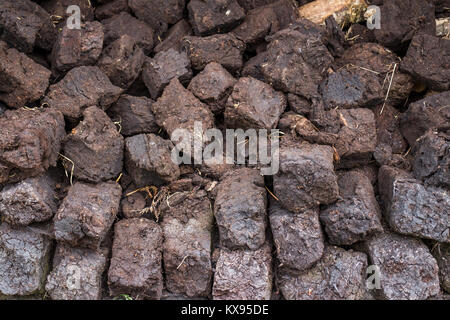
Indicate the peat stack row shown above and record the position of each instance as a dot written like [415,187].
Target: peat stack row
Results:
[93,207]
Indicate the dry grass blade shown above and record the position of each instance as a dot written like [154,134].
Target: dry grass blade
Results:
[147,189]
[153,208]
[55,19]
[243,142]
[336,156]
[270,192]
[389,88]
[366,69]
[65,169]
[278,133]
[181,263]
[342,118]
[212,186]
[407,152]
[35,108]
[443,107]
[119,124]
[347,36]
[29,109]
[170,196]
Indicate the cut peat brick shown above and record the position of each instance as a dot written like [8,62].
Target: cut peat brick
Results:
[124,23]
[87,213]
[351,88]
[122,61]
[361,76]
[297,58]
[82,87]
[442,255]
[213,86]
[357,137]
[383,156]
[214,16]
[428,113]
[77,47]
[241,216]
[22,80]
[430,159]
[178,108]
[187,224]
[257,25]
[165,66]
[356,215]
[298,237]
[254,104]
[24,261]
[158,13]
[148,160]
[110,9]
[25,24]
[286,11]
[31,200]
[339,275]
[95,148]
[374,57]
[136,265]
[134,115]
[29,142]
[225,49]
[306,177]
[413,209]
[174,37]
[388,128]
[428,61]
[76,275]
[243,275]
[408,270]
[402,19]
